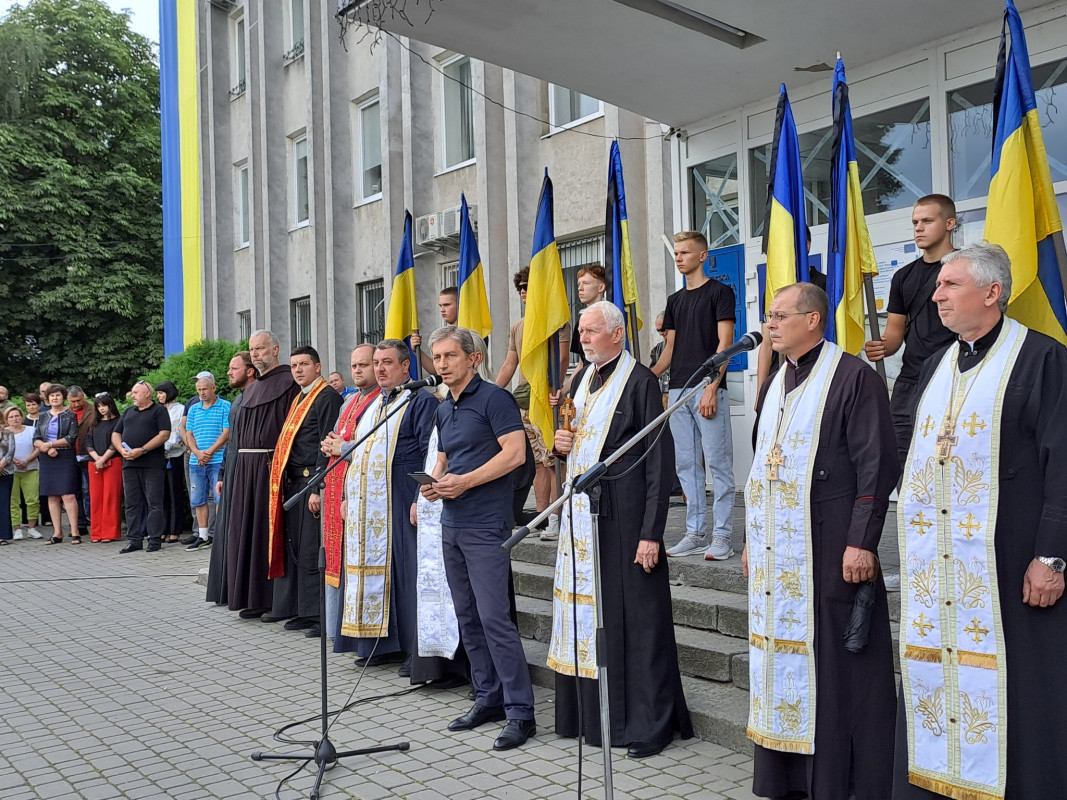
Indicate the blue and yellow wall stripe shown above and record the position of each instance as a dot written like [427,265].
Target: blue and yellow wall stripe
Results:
[183,317]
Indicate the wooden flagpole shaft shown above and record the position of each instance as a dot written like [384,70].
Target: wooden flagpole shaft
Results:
[631,325]
[872,321]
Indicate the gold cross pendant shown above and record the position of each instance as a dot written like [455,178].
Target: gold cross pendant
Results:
[945,442]
[774,460]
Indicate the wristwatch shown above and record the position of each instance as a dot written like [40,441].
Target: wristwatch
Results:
[1054,564]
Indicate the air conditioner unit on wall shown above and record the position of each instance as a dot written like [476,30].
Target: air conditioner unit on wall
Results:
[452,217]
[426,229]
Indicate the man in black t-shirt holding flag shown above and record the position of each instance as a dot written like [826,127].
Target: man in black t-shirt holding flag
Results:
[913,318]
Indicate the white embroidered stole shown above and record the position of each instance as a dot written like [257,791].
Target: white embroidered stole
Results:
[781,599]
[369,524]
[438,628]
[577,597]
[951,640]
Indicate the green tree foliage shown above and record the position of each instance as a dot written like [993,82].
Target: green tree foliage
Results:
[181,368]
[81,253]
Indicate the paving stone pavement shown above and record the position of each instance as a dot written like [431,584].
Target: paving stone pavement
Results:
[119,681]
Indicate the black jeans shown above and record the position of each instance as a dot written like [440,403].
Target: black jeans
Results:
[902,410]
[144,503]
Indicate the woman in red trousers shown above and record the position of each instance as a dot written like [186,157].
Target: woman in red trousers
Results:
[105,470]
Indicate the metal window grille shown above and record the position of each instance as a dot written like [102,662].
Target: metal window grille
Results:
[244,325]
[371,297]
[713,189]
[300,322]
[449,275]
[573,256]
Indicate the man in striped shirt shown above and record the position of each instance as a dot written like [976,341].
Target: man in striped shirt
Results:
[207,430]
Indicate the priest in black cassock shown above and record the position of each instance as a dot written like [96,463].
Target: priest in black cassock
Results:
[825,464]
[241,374]
[615,397]
[294,540]
[990,443]
[263,411]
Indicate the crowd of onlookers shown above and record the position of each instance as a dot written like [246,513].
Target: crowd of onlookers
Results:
[58,456]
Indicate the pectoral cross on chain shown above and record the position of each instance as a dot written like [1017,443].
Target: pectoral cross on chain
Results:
[946,441]
[774,460]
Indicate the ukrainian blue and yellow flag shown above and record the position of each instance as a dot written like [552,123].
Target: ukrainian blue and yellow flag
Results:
[851,253]
[1022,216]
[183,316]
[473,309]
[403,316]
[786,239]
[619,260]
[546,312]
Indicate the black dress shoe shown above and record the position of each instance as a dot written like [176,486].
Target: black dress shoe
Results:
[405,668]
[379,659]
[131,548]
[478,715]
[154,547]
[268,617]
[472,694]
[644,749]
[515,734]
[252,613]
[313,632]
[299,623]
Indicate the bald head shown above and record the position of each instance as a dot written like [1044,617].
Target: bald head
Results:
[362,364]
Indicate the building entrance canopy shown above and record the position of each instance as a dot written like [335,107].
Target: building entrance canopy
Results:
[676,61]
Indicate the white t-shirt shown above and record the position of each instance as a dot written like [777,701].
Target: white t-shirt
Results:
[24,448]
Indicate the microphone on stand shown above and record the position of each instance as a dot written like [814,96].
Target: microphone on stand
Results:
[432,380]
[749,341]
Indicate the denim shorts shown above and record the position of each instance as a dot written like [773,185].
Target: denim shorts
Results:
[202,481]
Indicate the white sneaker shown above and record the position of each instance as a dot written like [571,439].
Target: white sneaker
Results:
[17,534]
[34,533]
[892,581]
[689,545]
[551,533]
[719,550]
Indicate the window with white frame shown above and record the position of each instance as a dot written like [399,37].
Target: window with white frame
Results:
[713,192]
[238,63]
[892,153]
[300,179]
[458,111]
[300,322]
[970,130]
[449,275]
[573,256]
[296,30]
[370,297]
[370,150]
[567,106]
[244,325]
[242,222]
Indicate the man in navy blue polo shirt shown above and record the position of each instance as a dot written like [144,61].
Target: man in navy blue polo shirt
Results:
[481,440]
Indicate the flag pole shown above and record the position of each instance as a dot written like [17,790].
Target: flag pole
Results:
[555,380]
[631,323]
[416,353]
[872,321]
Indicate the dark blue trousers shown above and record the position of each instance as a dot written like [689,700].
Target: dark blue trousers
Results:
[478,571]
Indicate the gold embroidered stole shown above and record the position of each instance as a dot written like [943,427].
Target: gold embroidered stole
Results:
[952,658]
[781,598]
[333,525]
[298,411]
[369,525]
[576,597]
[438,628]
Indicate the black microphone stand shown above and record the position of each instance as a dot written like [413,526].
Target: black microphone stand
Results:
[325,754]
[588,483]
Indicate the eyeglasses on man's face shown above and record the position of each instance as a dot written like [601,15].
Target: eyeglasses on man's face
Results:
[778,316]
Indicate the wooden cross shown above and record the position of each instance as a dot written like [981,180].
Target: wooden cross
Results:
[922,625]
[976,631]
[973,425]
[921,522]
[928,425]
[969,526]
[797,440]
[567,413]
[945,442]
[774,460]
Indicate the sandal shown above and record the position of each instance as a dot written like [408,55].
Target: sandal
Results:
[4,542]
[75,539]
[54,540]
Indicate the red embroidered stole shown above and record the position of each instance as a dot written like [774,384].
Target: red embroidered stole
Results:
[333,524]
[297,413]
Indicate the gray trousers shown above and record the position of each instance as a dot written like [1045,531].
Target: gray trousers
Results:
[478,572]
